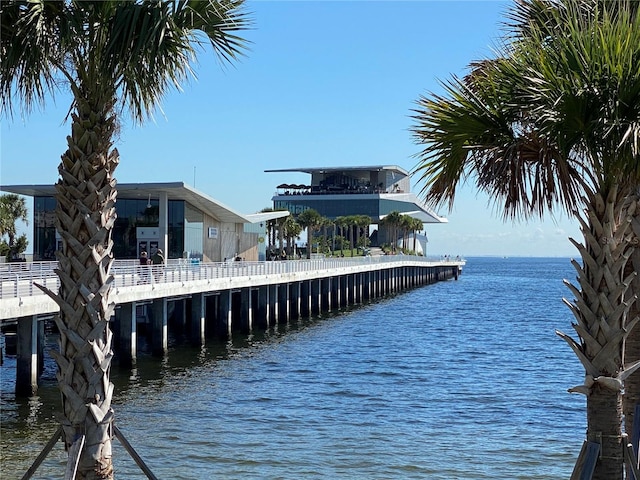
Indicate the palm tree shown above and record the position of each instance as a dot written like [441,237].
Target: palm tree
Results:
[392,221]
[416,226]
[353,222]
[341,223]
[362,223]
[406,224]
[275,228]
[13,208]
[554,123]
[114,56]
[291,230]
[326,223]
[349,222]
[312,221]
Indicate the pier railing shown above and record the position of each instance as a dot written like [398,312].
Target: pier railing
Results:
[19,279]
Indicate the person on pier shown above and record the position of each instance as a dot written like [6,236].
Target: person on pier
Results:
[144,267]
[158,259]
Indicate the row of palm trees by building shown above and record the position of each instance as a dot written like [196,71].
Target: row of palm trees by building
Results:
[342,235]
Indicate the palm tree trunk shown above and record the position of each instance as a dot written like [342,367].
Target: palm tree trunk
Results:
[631,396]
[85,214]
[394,239]
[604,418]
[601,315]
[280,238]
[351,238]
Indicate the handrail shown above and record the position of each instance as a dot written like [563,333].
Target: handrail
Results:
[17,279]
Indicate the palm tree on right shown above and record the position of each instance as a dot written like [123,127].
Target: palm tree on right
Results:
[553,123]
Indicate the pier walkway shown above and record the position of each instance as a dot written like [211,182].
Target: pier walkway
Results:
[207,299]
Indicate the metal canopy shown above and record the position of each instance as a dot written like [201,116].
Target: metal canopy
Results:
[364,168]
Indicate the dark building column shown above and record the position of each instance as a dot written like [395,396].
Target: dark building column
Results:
[283,300]
[159,327]
[262,308]
[225,313]
[180,314]
[272,301]
[198,318]
[246,313]
[41,342]
[27,357]
[316,295]
[325,294]
[305,298]
[294,300]
[128,336]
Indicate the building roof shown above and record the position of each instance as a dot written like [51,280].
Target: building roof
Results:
[265,216]
[174,190]
[424,216]
[363,168]
[421,212]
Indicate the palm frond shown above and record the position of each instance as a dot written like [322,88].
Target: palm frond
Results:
[30,52]
[556,113]
[218,20]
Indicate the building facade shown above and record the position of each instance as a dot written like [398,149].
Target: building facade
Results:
[375,191]
[174,217]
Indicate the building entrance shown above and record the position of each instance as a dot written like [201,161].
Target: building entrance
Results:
[148,239]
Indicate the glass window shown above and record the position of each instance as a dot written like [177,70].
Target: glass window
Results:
[193,231]
[175,232]
[131,213]
[44,238]
[331,208]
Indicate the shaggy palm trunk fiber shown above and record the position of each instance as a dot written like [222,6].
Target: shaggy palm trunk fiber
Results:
[631,396]
[601,313]
[85,214]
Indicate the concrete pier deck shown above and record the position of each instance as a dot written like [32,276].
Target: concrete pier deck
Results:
[209,298]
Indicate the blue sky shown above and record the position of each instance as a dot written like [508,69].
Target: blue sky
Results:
[325,83]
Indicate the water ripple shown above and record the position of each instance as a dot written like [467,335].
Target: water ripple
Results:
[457,380]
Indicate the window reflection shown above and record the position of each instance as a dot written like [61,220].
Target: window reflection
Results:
[131,214]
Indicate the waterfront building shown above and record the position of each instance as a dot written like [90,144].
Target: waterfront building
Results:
[174,217]
[375,190]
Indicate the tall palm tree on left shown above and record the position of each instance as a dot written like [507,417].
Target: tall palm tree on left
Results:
[116,57]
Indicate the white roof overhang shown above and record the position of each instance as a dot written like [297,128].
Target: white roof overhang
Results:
[266,216]
[364,168]
[422,212]
[174,191]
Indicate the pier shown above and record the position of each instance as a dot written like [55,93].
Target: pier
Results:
[206,299]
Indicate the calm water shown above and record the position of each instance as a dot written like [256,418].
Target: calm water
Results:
[457,380]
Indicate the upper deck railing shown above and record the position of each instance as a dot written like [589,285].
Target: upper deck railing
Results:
[19,279]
